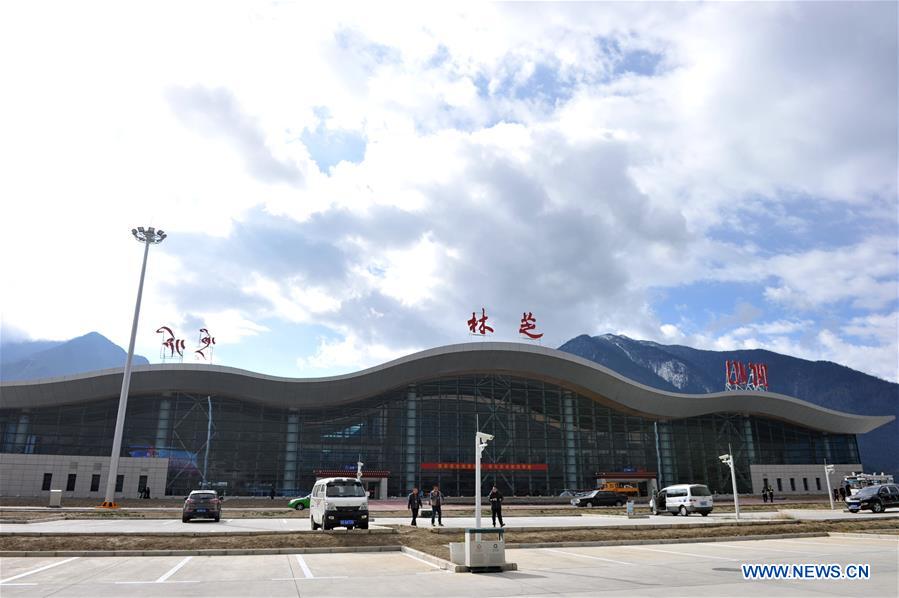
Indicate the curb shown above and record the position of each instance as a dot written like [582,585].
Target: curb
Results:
[203,552]
[864,536]
[435,560]
[385,530]
[653,526]
[513,546]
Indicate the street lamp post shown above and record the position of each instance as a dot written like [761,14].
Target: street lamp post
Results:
[828,469]
[148,237]
[728,459]
[480,442]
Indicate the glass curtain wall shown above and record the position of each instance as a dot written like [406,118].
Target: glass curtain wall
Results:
[547,438]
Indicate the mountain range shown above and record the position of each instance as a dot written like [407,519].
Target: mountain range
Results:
[30,360]
[678,368]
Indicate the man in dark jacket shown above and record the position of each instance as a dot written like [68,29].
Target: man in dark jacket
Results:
[414,504]
[496,506]
[436,499]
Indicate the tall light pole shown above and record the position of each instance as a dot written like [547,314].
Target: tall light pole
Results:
[828,469]
[480,443]
[728,459]
[149,236]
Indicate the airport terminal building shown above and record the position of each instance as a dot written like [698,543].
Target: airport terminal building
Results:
[559,421]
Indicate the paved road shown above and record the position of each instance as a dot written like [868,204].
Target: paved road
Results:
[142,526]
[695,570]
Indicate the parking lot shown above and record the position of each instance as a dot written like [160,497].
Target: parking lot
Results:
[694,569]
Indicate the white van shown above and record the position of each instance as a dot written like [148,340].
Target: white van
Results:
[682,499]
[338,502]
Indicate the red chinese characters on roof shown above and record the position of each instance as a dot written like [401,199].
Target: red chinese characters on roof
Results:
[479,325]
[528,323]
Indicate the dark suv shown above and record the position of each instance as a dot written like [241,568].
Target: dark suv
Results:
[599,498]
[202,504]
[874,498]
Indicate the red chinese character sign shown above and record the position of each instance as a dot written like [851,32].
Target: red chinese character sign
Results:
[206,342]
[174,345]
[528,324]
[738,377]
[479,325]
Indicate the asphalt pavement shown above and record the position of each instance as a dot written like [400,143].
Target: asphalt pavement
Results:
[688,569]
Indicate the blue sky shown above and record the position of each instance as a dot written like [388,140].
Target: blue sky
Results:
[346,186]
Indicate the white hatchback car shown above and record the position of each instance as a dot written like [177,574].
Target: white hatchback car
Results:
[682,499]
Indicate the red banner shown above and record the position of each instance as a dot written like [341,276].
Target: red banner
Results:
[486,466]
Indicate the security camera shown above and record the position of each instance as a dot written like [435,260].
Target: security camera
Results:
[484,437]
[724,458]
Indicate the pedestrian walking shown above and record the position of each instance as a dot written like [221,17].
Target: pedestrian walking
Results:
[271,494]
[770,494]
[765,494]
[436,499]
[496,506]
[414,504]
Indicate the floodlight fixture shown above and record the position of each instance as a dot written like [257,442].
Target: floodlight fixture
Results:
[150,235]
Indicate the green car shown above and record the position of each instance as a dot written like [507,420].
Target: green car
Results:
[299,503]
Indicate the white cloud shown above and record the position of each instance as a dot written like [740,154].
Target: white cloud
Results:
[508,164]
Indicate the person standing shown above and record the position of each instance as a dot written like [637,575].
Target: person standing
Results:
[770,494]
[496,506]
[271,494]
[436,499]
[765,494]
[414,504]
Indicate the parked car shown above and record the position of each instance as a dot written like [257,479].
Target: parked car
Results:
[682,499]
[338,502]
[202,504]
[300,503]
[874,498]
[599,498]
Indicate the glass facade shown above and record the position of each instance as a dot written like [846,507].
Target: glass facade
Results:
[547,439]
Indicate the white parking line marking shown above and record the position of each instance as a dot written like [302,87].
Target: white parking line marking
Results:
[140,582]
[170,522]
[415,558]
[173,570]
[305,578]
[38,570]
[586,556]
[284,521]
[681,553]
[815,543]
[306,570]
[763,548]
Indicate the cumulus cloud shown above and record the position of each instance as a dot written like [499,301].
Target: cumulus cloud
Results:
[383,175]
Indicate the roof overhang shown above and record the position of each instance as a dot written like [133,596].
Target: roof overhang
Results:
[516,359]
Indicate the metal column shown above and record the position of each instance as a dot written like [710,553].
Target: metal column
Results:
[292,437]
[411,452]
[749,441]
[162,424]
[21,438]
[568,430]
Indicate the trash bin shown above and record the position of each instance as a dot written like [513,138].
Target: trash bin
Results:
[56,498]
